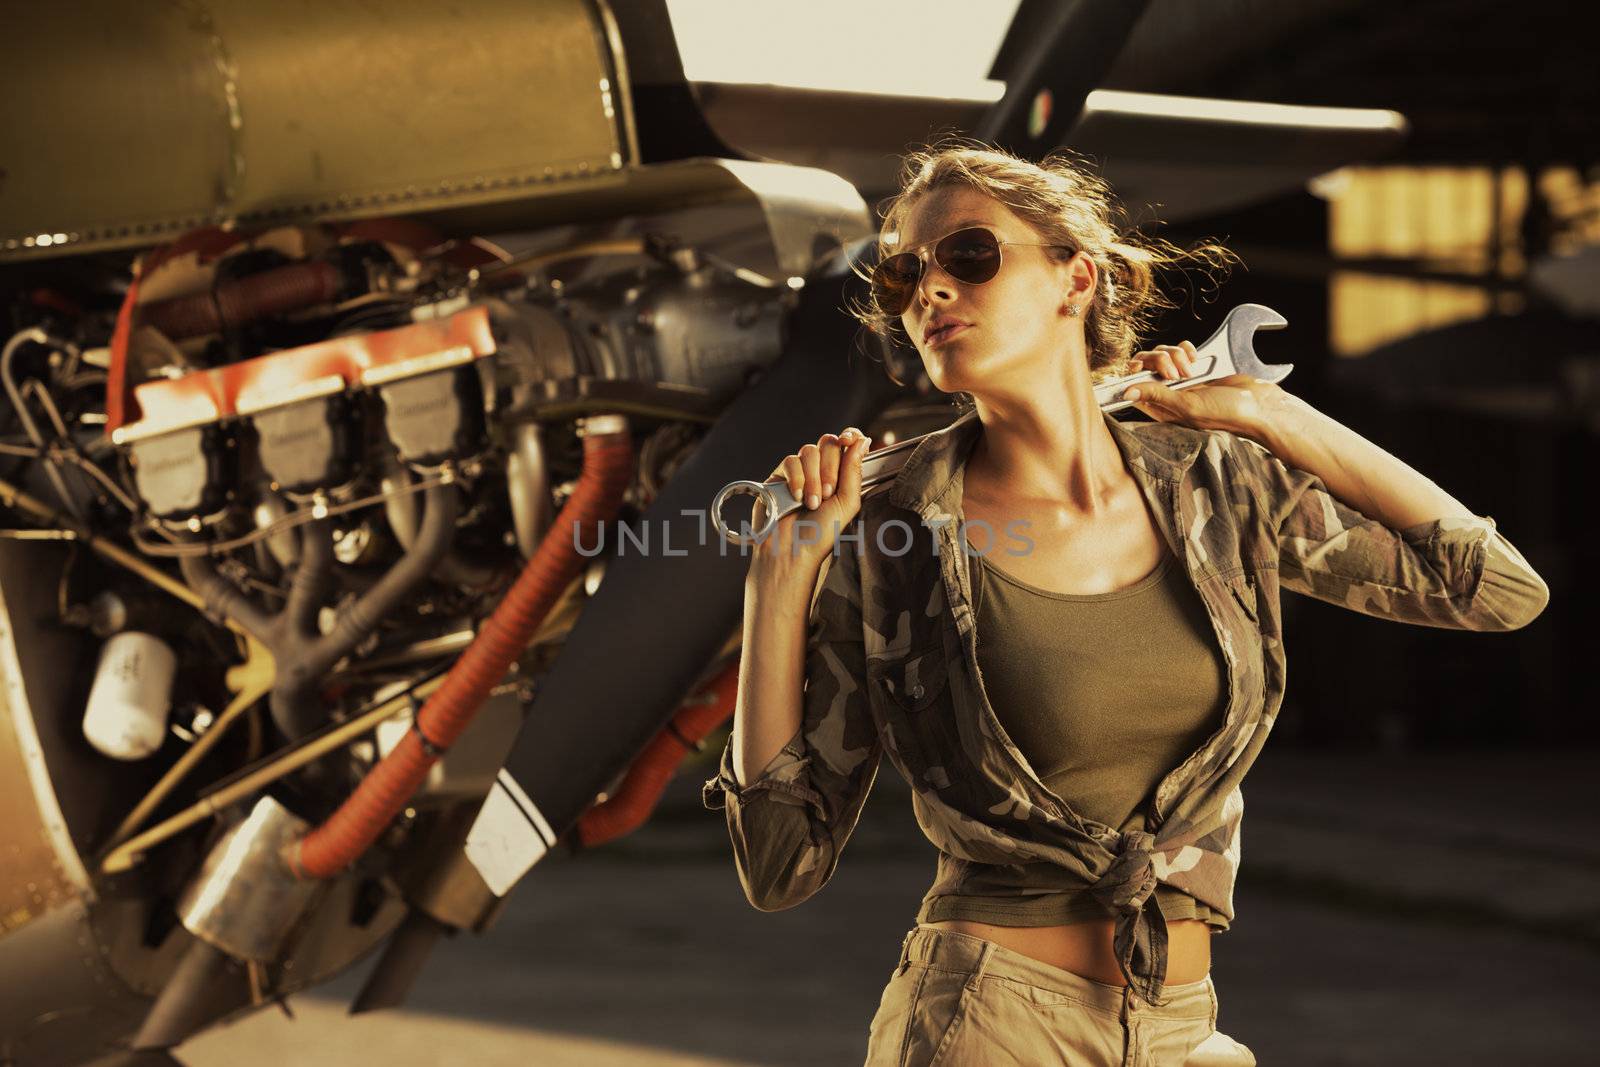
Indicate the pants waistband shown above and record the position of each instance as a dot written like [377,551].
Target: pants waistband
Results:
[977,957]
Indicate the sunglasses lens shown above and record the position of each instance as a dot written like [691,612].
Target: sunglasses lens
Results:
[970,256]
[893,280]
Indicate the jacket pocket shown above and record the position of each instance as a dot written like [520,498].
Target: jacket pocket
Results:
[913,692]
[915,680]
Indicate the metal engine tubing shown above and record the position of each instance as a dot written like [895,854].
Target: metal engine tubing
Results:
[303,655]
[309,657]
[401,513]
[421,558]
[384,792]
[206,985]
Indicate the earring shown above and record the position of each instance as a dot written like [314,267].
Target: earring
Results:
[1072,310]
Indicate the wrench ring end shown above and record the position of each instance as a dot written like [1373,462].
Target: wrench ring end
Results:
[743,487]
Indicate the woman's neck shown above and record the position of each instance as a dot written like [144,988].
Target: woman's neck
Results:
[1048,451]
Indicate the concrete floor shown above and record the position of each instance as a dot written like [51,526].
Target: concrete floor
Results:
[647,953]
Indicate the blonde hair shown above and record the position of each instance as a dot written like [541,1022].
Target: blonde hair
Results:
[1069,206]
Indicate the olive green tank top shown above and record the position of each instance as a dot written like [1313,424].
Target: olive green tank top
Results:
[1103,694]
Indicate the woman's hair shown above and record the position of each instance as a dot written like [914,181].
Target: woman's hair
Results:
[1069,206]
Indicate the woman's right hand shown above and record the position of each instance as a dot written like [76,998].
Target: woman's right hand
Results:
[826,479]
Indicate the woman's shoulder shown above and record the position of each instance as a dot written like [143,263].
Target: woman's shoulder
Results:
[1177,439]
[1163,435]
[1177,445]
[1226,466]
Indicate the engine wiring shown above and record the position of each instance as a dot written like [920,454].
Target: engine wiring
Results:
[8,354]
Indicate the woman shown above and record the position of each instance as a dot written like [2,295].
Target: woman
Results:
[1074,716]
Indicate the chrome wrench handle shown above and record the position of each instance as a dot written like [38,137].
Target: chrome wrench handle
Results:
[1228,351]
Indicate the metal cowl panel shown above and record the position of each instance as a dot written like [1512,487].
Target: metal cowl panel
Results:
[129,123]
[53,980]
[40,867]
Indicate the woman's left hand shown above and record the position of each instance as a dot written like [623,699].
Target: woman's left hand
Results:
[1238,403]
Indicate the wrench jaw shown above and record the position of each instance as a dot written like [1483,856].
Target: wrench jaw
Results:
[1230,350]
[1241,325]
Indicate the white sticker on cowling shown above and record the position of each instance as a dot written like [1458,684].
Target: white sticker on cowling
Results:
[508,837]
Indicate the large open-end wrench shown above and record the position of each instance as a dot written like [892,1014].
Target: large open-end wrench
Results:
[1231,350]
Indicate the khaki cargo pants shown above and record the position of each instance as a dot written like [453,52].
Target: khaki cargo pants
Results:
[960,1001]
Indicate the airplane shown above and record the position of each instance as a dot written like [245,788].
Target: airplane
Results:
[335,346]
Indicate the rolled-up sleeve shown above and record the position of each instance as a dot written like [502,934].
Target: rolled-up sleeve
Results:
[1456,573]
[790,822]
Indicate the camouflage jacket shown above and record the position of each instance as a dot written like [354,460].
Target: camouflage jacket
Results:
[892,668]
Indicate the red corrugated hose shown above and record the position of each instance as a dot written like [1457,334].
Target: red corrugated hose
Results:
[607,470]
[627,809]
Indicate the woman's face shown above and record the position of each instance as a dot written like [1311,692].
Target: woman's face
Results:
[1015,327]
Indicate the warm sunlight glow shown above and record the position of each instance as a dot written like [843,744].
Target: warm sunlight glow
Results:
[905,47]
[1198,107]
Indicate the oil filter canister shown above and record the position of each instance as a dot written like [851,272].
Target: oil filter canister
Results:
[132,693]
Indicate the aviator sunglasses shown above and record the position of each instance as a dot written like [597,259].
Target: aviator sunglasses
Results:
[970,256]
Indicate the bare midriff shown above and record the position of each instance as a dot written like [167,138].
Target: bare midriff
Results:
[1085,948]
